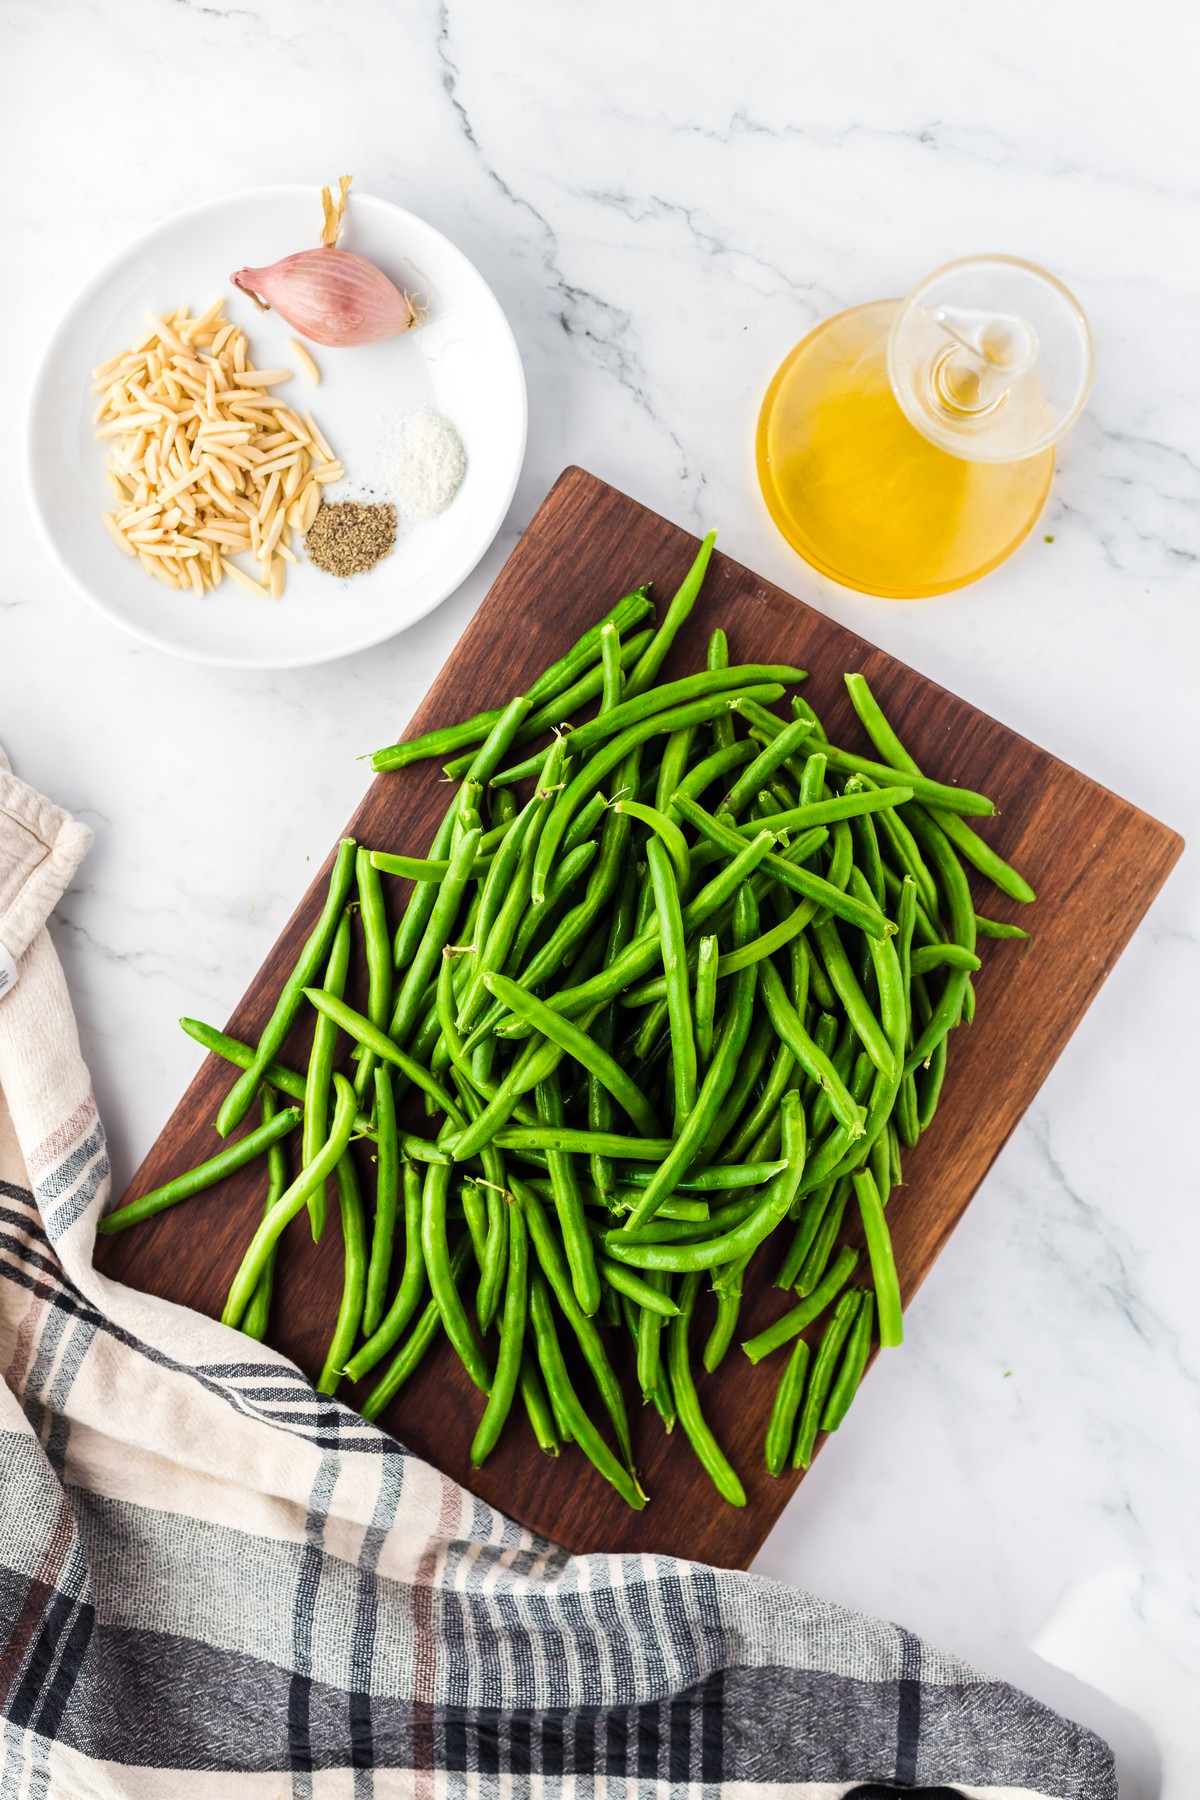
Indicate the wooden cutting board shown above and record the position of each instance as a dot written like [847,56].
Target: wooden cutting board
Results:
[1096,863]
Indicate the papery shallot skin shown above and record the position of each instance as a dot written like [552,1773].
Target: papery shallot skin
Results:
[330,296]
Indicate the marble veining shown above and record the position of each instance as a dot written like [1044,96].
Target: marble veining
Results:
[664,199]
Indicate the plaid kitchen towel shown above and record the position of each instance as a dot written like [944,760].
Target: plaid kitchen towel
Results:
[215,1582]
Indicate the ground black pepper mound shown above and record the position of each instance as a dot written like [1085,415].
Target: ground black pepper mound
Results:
[346,538]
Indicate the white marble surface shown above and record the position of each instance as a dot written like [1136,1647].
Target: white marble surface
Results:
[664,198]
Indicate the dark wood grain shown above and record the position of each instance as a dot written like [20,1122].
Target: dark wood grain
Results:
[1095,861]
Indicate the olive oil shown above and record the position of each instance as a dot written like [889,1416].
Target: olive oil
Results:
[861,493]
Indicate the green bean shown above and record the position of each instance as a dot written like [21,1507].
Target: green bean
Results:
[436,1252]
[613,683]
[996,928]
[650,1324]
[466,813]
[240,1097]
[354,1278]
[411,929]
[629,610]
[635,1288]
[950,874]
[714,1179]
[936,793]
[752,1062]
[366,1033]
[500,875]
[434,938]
[943,956]
[576,929]
[291,1202]
[556,710]
[905,856]
[568,1199]
[258,1313]
[582,826]
[205,1175]
[717,657]
[858,1010]
[639,706]
[840,868]
[600,1103]
[495,1256]
[812,780]
[883,1266]
[965,840]
[408,1295]
[673,839]
[841,807]
[793,1323]
[801,881]
[533,1065]
[866,843]
[944,1018]
[424,869]
[554,1267]
[672,768]
[607,758]
[781,1430]
[378,953]
[760,771]
[639,956]
[712,767]
[813,1211]
[438,743]
[742,1239]
[410,1355]
[540,921]
[583,1048]
[764,726]
[729,1306]
[821,1377]
[687,1401]
[705,1003]
[853,1366]
[817,1261]
[907,1115]
[678,998]
[779,1082]
[537,1405]
[670,1230]
[718,1078]
[655,653]
[893,1137]
[890,983]
[567,1405]
[499,740]
[930,1088]
[231,1049]
[319,1079]
[474,1212]
[812,1059]
[492,954]
[512,1338]
[387,1193]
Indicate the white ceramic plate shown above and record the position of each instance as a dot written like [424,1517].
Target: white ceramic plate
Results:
[463,362]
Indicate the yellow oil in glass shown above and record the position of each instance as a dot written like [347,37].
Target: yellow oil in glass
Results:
[860,493]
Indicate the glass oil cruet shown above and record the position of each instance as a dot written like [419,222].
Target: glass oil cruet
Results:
[906,447]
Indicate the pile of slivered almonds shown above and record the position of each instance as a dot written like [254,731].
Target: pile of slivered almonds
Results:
[205,464]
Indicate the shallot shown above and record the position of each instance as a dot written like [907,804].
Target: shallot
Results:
[329,295]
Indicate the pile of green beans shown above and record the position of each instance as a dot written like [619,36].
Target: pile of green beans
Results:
[666,997]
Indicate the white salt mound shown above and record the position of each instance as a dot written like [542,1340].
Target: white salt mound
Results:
[427,465]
